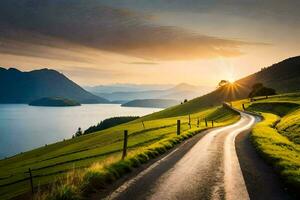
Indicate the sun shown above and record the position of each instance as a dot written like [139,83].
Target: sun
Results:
[231,80]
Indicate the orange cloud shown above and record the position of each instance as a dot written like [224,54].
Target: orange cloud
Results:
[104,28]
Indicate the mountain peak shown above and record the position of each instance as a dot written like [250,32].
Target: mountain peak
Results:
[13,70]
[24,87]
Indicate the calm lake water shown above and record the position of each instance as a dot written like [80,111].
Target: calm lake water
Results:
[24,127]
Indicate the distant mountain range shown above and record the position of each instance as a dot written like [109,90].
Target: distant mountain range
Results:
[133,92]
[23,87]
[127,87]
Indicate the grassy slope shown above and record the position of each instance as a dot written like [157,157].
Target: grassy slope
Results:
[54,160]
[152,103]
[194,106]
[283,76]
[276,138]
[278,150]
[289,126]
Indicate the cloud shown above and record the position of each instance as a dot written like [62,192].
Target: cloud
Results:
[89,72]
[142,63]
[118,30]
[92,75]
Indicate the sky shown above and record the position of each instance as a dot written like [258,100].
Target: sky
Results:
[96,42]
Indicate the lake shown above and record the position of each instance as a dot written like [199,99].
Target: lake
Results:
[24,127]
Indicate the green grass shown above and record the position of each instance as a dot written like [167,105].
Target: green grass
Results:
[193,106]
[278,150]
[277,137]
[289,126]
[221,114]
[54,161]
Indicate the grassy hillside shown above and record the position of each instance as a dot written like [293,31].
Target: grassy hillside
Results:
[56,160]
[289,126]
[283,76]
[277,136]
[152,103]
[278,150]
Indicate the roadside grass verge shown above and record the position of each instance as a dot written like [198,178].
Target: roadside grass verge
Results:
[281,153]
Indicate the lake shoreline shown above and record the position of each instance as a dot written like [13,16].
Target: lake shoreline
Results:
[25,127]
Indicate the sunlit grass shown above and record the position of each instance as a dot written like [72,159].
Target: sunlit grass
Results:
[277,139]
[283,154]
[289,126]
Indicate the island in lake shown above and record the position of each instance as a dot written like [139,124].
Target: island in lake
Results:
[54,101]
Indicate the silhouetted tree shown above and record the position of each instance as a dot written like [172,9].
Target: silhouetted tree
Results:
[78,132]
[185,101]
[222,83]
[258,89]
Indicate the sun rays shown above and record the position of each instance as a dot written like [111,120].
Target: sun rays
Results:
[233,90]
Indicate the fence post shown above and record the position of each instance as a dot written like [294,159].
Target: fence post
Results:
[205,122]
[125,144]
[190,120]
[143,124]
[178,127]
[198,122]
[31,181]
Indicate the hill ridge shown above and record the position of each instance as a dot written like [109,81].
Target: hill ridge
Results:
[23,87]
[283,76]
